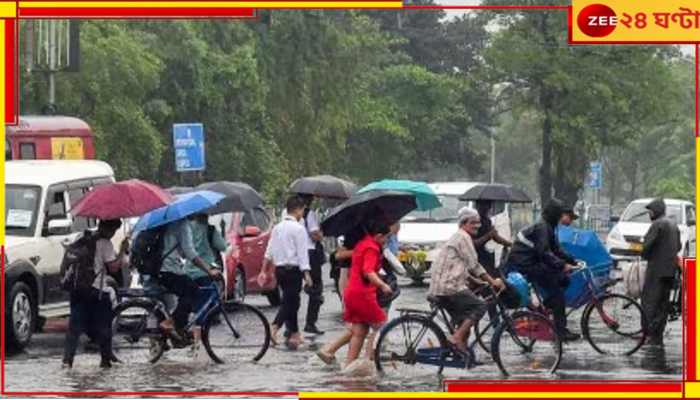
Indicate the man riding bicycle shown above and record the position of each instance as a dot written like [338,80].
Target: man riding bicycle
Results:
[455,263]
[538,255]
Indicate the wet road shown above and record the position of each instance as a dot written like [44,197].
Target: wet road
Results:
[283,370]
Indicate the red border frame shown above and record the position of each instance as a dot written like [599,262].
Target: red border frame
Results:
[12,107]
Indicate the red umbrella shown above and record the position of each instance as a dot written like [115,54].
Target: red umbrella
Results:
[131,198]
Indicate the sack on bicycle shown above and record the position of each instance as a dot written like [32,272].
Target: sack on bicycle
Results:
[633,274]
[517,293]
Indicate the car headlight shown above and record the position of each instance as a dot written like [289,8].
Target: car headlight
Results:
[616,235]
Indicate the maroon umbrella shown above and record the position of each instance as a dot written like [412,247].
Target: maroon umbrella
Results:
[126,199]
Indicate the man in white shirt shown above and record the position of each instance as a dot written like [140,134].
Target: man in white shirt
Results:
[287,253]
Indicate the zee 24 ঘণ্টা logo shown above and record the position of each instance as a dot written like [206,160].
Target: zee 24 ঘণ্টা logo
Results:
[598,20]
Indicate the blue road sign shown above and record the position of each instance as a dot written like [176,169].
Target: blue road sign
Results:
[594,179]
[188,140]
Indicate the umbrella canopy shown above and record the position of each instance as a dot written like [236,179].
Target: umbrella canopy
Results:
[239,196]
[325,186]
[425,196]
[125,199]
[391,205]
[495,192]
[176,190]
[183,206]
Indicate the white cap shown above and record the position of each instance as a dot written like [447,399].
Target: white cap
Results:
[466,213]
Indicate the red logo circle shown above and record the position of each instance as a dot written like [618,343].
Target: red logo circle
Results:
[597,20]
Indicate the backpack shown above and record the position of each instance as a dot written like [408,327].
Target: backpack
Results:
[147,254]
[77,271]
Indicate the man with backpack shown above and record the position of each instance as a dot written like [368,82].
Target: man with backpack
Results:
[85,266]
[178,244]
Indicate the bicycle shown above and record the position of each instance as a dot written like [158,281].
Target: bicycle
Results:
[136,320]
[524,328]
[597,302]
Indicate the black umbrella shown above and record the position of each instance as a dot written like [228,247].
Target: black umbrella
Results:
[495,192]
[239,196]
[176,190]
[325,186]
[390,206]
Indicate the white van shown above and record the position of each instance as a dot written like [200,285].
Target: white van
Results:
[424,232]
[38,198]
[634,224]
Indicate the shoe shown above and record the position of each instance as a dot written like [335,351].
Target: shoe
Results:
[329,360]
[313,329]
[194,351]
[106,364]
[568,336]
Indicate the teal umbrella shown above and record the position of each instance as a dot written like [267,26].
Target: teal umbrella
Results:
[425,196]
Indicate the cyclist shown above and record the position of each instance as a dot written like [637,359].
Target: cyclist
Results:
[538,255]
[450,278]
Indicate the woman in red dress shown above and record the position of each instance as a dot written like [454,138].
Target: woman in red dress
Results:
[360,298]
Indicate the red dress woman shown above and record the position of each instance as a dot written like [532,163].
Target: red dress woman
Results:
[362,309]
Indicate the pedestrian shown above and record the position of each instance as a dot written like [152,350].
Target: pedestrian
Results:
[362,308]
[91,309]
[344,258]
[538,255]
[484,235]
[317,257]
[287,257]
[207,242]
[456,262]
[177,245]
[661,246]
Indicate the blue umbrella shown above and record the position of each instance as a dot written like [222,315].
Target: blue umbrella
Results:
[425,196]
[184,205]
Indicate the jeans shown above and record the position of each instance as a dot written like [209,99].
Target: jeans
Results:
[290,281]
[90,312]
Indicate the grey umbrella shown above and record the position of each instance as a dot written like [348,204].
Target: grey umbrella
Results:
[239,196]
[324,186]
[176,190]
[495,192]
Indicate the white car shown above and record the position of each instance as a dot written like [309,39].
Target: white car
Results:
[38,197]
[634,224]
[426,231]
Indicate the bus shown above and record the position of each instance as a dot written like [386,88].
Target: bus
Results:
[49,138]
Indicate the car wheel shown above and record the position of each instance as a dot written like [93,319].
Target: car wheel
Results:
[239,289]
[274,297]
[20,316]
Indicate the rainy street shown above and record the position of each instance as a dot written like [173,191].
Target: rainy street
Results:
[283,370]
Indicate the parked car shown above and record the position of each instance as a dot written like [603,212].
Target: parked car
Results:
[634,223]
[38,196]
[424,232]
[248,234]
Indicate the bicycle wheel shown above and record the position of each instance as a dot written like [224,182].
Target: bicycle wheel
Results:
[236,332]
[514,345]
[135,334]
[614,324]
[409,341]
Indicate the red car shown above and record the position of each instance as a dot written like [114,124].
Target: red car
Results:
[248,234]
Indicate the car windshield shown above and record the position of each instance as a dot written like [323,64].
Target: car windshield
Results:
[636,212]
[447,213]
[21,208]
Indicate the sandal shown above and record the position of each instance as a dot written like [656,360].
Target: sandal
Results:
[329,360]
